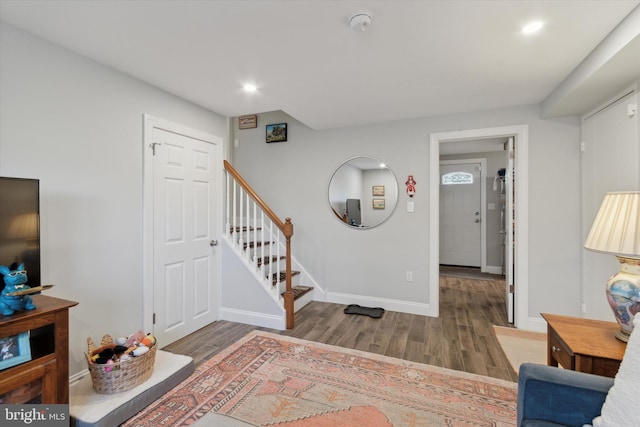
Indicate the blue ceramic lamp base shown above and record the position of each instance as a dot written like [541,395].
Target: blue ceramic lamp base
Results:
[623,295]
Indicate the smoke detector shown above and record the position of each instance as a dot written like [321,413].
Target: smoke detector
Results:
[360,20]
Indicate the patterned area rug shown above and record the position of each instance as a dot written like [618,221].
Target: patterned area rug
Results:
[272,380]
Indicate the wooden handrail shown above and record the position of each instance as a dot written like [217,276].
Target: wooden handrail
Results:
[285,227]
[244,184]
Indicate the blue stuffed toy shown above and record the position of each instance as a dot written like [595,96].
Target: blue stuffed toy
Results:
[14,281]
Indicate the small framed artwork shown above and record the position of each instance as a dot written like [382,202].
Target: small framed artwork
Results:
[377,190]
[378,203]
[248,122]
[277,132]
[14,350]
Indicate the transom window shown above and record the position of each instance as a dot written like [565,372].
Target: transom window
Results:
[455,178]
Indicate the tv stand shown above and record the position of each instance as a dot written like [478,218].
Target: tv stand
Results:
[44,378]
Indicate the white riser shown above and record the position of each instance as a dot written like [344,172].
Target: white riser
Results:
[302,301]
[295,281]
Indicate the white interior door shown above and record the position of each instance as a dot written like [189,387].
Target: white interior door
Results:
[186,187]
[509,229]
[460,214]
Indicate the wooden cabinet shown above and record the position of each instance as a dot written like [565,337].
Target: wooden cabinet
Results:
[44,378]
[583,345]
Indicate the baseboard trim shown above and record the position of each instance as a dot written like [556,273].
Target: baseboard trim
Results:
[388,304]
[492,269]
[78,376]
[253,318]
[536,324]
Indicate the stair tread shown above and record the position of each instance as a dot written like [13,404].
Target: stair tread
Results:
[267,260]
[237,228]
[282,276]
[256,244]
[299,291]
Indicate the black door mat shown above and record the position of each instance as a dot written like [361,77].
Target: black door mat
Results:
[375,312]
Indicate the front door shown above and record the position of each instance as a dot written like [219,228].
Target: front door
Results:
[186,185]
[460,229]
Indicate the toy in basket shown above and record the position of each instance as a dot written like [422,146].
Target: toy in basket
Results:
[121,364]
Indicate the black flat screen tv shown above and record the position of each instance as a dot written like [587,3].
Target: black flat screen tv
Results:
[20,226]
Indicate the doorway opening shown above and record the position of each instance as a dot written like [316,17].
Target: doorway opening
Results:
[519,266]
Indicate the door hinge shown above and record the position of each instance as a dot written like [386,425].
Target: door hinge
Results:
[583,146]
[154,318]
[511,289]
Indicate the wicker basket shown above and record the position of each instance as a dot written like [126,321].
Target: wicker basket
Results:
[119,376]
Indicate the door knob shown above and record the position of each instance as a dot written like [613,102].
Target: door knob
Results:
[213,243]
[476,220]
[477,213]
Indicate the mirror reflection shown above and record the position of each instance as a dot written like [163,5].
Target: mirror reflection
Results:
[363,192]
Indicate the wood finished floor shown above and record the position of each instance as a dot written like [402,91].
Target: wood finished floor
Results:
[461,338]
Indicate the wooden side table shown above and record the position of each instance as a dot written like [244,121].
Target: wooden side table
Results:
[47,373]
[583,345]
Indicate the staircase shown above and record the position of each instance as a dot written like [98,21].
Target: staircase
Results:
[251,240]
[263,242]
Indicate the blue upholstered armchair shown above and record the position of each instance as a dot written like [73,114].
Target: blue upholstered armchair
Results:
[553,397]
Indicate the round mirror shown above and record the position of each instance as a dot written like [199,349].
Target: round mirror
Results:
[363,192]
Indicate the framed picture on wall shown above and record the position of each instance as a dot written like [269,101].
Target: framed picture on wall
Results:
[377,190]
[378,203]
[277,132]
[14,350]
[248,122]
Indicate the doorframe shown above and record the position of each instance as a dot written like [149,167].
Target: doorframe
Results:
[483,205]
[149,123]
[521,273]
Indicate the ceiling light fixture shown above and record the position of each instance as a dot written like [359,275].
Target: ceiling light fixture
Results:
[360,20]
[532,27]
[249,88]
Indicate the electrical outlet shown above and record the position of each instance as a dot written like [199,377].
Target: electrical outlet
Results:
[409,277]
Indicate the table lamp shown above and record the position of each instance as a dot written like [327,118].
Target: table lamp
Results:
[616,230]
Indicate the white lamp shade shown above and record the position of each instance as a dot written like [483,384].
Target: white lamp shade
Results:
[616,229]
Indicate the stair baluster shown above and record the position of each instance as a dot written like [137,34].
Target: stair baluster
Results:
[262,264]
[227,224]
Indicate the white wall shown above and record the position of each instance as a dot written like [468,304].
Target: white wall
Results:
[293,177]
[611,162]
[77,126]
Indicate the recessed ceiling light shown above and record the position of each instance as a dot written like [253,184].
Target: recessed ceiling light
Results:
[249,88]
[532,27]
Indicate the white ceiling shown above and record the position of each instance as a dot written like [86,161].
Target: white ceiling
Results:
[418,58]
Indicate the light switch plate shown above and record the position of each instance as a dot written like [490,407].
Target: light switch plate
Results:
[409,206]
